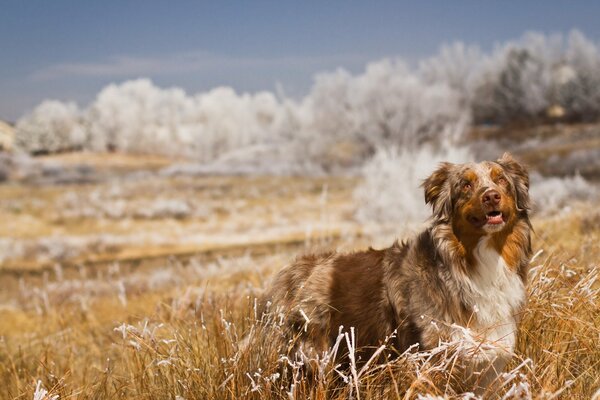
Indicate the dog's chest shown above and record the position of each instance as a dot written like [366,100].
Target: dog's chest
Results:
[495,293]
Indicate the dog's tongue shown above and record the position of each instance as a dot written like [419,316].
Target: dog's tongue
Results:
[494,219]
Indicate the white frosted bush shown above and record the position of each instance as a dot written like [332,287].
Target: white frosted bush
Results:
[343,119]
[386,105]
[516,80]
[52,126]
[579,90]
[339,124]
[225,121]
[390,191]
[554,194]
[458,66]
[523,78]
[137,116]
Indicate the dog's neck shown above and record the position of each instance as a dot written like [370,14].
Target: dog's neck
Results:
[458,249]
[487,269]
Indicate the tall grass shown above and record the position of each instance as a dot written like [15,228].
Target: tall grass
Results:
[204,338]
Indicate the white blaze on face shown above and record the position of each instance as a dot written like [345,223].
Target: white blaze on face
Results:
[484,177]
[483,172]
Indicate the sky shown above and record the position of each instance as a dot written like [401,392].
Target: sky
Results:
[69,50]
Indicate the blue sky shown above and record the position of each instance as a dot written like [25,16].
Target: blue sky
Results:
[69,50]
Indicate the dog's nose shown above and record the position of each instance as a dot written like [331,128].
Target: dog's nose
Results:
[491,198]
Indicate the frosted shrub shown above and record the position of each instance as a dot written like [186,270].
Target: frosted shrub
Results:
[456,65]
[516,80]
[136,116]
[225,121]
[390,191]
[521,90]
[386,105]
[343,119]
[555,194]
[139,117]
[522,79]
[52,126]
[579,90]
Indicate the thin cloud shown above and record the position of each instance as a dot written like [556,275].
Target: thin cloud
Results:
[124,66]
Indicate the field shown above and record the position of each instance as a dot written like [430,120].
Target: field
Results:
[120,281]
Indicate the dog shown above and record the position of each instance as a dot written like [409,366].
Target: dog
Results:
[466,272]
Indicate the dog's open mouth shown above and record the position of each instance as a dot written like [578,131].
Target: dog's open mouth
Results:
[494,217]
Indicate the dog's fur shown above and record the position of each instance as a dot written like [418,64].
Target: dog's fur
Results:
[468,269]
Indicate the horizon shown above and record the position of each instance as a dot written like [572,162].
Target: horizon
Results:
[264,46]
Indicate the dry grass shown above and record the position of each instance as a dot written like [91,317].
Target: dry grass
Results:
[110,161]
[151,215]
[551,149]
[172,327]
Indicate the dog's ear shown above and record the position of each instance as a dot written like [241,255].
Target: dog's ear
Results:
[520,178]
[437,192]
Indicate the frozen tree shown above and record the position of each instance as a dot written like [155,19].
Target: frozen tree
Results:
[517,80]
[457,65]
[137,116]
[386,105]
[522,80]
[579,79]
[51,127]
[224,121]
[345,117]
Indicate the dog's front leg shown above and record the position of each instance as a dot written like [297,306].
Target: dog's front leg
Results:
[480,361]
[483,359]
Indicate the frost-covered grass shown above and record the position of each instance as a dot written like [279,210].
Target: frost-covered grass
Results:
[556,194]
[172,326]
[105,337]
[136,215]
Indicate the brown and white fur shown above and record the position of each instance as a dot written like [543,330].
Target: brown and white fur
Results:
[465,273]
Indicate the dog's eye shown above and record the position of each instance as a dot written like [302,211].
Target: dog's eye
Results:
[467,186]
[502,180]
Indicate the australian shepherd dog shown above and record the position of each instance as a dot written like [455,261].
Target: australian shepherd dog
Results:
[466,272]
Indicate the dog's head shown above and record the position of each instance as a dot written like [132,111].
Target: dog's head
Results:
[479,198]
